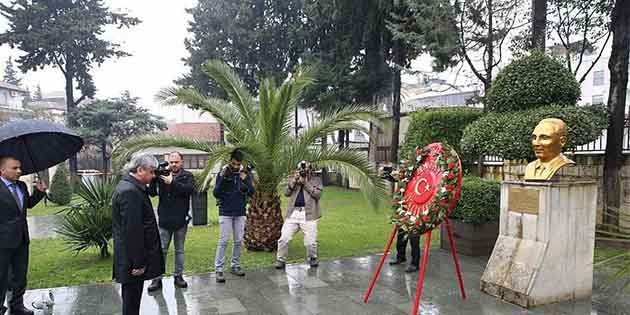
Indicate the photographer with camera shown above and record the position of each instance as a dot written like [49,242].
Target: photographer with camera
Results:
[232,188]
[174,185]
[304,191]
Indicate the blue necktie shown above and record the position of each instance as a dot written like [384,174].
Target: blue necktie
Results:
[13,188]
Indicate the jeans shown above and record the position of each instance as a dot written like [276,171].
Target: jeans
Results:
[291,225]
[179,238]
[229,225]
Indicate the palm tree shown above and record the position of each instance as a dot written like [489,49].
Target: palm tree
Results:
[261,128]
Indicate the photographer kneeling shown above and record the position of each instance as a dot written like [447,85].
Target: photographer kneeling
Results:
[174,186]
[304,191]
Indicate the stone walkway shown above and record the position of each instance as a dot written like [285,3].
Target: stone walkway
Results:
[336,287]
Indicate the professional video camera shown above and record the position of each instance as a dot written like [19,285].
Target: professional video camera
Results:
[162,169]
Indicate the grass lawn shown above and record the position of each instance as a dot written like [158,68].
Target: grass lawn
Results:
[348,228]
[49,209]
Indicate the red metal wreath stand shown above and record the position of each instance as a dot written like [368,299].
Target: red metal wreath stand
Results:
[423,267]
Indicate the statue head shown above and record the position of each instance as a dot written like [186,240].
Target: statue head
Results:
[548,138]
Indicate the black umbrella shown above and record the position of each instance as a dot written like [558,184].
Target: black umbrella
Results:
[38,144]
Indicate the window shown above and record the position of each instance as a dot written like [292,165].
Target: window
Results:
[598,78]
[597,99]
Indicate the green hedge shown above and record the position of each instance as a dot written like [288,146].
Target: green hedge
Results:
[438,125]
[60,188]
[533,81]
[479,201]
[508,135]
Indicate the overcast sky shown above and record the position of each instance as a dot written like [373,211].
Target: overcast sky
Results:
[156,45]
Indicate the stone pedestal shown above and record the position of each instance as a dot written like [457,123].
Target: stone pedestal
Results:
[544,252]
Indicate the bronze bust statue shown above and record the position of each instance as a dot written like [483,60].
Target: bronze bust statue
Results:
[548,139]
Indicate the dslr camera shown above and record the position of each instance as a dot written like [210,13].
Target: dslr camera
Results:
[162,169]
[228,172]
[303,168]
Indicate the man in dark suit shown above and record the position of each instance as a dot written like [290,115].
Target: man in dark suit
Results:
[401,248]
[137,251]
[14,239]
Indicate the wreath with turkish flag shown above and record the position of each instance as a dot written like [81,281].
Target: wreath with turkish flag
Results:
[428,189]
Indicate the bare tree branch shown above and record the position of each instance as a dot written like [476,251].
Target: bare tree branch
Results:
[601,50]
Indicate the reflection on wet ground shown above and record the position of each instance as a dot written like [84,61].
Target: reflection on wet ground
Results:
[336,287]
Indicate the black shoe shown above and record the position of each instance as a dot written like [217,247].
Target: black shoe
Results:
[411,268]
[180,282]
[237,272]
[280,264]
[313,262]
[20,310]
[155,285]
[220,277]
[397,261]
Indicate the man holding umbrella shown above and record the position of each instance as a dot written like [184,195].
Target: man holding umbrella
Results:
[14,238]
[26,147]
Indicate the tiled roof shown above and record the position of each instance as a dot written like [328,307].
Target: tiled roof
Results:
[200,131]
[9,86]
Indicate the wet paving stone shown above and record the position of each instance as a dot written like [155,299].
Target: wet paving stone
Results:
[336,287]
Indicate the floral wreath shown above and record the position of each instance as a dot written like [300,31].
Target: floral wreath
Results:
[448,189]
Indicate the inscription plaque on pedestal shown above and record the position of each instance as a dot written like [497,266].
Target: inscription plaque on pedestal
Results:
[523,200]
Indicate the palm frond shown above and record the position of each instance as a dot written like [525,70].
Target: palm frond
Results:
[345,118]
[353,164]
[89,223]
[221,110]
[123,153]
[277,106]
[227,78]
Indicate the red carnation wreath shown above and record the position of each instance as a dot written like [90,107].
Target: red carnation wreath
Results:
[428,189]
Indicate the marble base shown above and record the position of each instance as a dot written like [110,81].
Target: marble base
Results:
[544,252]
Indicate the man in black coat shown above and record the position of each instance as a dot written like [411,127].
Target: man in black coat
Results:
[174,191]
[14,238]
[137,251]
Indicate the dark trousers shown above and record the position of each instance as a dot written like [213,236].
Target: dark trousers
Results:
[401,246]
[16,260]
[131,295]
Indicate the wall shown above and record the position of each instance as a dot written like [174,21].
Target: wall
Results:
[588,167]
[12,99]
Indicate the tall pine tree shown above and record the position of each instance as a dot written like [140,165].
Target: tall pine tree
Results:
[65,34]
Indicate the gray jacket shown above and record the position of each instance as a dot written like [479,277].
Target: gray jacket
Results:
[312,193]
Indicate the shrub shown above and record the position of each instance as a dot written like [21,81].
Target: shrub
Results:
[479,201]
[508,135]
[89,223]
[438,125]
[530,82]
[60,188]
